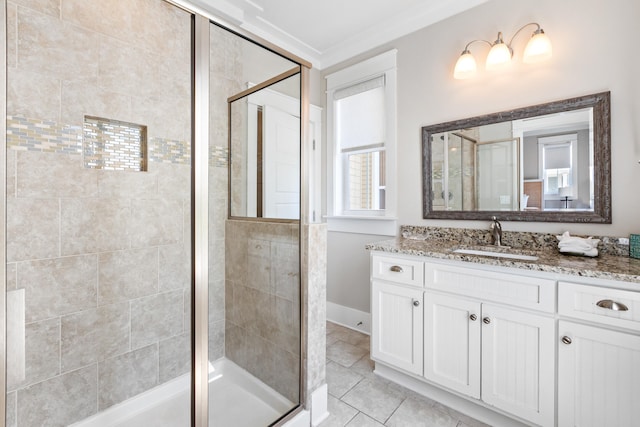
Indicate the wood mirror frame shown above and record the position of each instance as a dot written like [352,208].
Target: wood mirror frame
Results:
[601,213]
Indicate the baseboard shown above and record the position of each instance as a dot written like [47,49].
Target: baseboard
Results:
[349,317]
[319,404]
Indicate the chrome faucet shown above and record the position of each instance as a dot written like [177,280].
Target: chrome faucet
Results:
[496,232]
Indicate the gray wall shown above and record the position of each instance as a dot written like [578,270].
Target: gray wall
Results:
[584,61]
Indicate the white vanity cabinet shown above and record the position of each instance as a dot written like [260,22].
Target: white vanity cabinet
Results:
[397,312]
[507,339]
[500,354]
[598,356]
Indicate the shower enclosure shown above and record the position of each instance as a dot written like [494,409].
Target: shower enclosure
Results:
[153,245]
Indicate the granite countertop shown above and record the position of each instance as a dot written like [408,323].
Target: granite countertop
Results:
[605,266]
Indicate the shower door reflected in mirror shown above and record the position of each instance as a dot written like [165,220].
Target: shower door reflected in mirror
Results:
[98,218]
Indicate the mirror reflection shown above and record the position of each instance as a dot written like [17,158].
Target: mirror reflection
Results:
[265,150]
[535,163]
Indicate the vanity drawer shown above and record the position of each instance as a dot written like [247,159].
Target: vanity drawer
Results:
[399,270]
[512,289]
[613,307]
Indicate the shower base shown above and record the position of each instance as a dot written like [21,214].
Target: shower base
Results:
[236,398]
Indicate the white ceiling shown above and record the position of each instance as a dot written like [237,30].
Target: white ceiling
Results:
[326,32]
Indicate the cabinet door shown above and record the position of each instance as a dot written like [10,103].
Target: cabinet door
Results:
[518,358]
[598,377]
[397,324]
[452,343]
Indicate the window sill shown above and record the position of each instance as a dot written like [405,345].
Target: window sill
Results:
[359,224]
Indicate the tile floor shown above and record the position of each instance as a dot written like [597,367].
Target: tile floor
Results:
[358,398]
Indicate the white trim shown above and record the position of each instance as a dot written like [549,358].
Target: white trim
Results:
[349,317]
[383,64]
[362,71]
[302,419]
[377,225]
[319,405]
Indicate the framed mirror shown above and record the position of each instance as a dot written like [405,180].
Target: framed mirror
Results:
[548,162]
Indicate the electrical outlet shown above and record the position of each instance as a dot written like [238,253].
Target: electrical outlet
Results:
[623,240]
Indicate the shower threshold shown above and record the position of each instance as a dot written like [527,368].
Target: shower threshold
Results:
[232,390]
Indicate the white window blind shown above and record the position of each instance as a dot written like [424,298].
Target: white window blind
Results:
[360,116]
[557,156]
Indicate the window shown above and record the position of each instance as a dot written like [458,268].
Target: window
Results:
[558,159]
[361,104]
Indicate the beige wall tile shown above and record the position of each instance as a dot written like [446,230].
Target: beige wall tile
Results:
[12,35]
[54,175]
[216,300]
[156,317]
[54,287]
[216,259]
[167,115]
[126,375]
[174,267]
[93,335]
[33,94]
[84,97]
[174,357]
[32,229]
[11,173]
[94,225]
[126,275]
[62,51]
[12,276]
[216,340]
[156,222]
[218,210]
[50,7]
[42,352]
[187,310]
[11,409]
[134,70]
[259,265]
[124,21]
[174,180]
[127,184]
[59,401]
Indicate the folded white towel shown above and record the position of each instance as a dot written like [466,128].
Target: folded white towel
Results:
[589,253]
[578,245]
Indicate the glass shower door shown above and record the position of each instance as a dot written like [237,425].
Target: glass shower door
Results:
[98,213]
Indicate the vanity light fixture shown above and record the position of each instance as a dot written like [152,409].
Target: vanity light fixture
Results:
[538,49]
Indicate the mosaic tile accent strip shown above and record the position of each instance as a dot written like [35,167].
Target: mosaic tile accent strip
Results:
[162,150]
[218,156]
[49,136]
[43,135]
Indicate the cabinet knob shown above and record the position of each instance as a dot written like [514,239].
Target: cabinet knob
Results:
[416,303]
[396,269]
[486,320]
[566,340]
[473,317]
[612,305]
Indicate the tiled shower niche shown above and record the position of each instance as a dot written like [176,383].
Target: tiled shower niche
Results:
[114,145]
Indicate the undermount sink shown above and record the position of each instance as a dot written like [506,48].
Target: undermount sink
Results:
[497,252]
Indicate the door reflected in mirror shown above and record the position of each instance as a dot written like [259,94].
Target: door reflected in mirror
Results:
[543,163]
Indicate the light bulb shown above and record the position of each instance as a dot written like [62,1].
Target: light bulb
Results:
[465,67]
[538,49]
[499,55]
